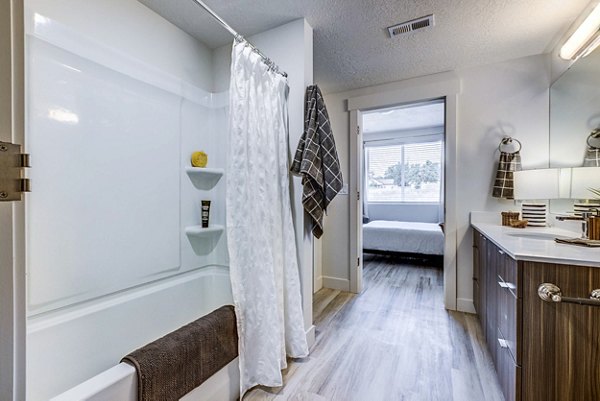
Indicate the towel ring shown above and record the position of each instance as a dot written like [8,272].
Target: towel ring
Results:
[508,140]
[595,134]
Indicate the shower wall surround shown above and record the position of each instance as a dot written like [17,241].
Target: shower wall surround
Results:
[109,265]
[115,110]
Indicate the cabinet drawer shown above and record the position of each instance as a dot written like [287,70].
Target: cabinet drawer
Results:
[509,321]
[476,295]
[509,373]
[477,239]
[491,338]
[510,275]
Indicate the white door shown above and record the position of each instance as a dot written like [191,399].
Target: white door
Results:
[12,222]
[356,209]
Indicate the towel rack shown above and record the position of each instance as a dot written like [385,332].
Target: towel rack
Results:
[507,140]
[549,292]
[595,134]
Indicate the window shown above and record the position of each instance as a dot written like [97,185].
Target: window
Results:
[404,173]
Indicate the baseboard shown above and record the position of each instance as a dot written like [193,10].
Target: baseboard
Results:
[310,336]
[465,305]
[318,283]
[336,283]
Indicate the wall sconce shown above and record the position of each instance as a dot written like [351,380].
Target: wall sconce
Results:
[556,183]
[585,39]
[540,184]
[579,180]
[576,183]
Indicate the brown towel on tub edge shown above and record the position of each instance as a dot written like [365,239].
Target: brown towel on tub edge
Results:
[177,363]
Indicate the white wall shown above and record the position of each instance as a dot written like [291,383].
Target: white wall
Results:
[277,44]
[426,213]
[513,94]
[135,30]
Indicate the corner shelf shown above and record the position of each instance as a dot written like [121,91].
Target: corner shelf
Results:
[200,232]
[204,178]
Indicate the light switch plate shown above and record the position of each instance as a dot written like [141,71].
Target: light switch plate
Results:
[344,190]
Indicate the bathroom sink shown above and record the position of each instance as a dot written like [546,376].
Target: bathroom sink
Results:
[536,235]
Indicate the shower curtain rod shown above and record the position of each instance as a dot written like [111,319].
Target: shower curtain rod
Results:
[225,25]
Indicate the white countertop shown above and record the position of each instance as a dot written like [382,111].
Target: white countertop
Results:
[537,243]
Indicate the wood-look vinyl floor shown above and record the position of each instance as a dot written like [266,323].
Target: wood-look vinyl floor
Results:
[393,342]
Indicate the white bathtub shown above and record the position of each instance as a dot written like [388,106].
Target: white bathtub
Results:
[120,384]
[75,355]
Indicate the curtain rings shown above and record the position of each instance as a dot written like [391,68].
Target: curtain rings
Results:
[508,141]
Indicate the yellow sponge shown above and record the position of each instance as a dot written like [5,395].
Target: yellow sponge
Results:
[199,159]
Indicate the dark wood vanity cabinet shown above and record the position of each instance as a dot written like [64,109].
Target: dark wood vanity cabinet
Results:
[498,305]
[541,351]
[561,342]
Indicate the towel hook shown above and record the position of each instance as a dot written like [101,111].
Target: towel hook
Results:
[507,141]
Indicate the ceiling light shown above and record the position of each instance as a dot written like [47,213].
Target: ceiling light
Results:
[585,39]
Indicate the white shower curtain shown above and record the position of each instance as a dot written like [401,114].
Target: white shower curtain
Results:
[260,233]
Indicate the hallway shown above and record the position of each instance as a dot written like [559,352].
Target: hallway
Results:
[393,342]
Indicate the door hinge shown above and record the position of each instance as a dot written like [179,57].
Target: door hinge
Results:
[358,261]
[358,130]
[358,195]
[12,163]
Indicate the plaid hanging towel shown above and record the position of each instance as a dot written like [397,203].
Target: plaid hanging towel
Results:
[592,152]
[317,161]
[504,186]
[592,157]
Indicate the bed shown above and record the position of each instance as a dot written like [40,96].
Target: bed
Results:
[403,237]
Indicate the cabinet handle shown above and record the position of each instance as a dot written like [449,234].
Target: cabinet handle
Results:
[500,252]
[505,284]
[503,343]
[549,292]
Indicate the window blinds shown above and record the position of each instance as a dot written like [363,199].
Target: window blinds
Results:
[404,173]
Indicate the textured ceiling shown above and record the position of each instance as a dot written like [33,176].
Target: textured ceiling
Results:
[351,45]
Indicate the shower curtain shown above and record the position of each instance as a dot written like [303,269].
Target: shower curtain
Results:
[260,233]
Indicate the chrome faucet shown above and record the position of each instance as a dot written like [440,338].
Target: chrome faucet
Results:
[585,216]
[585,233]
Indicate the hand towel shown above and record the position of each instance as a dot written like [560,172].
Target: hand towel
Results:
[592,151]
[504,186]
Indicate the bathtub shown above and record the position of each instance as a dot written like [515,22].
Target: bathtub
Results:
[87,343]
[120,384]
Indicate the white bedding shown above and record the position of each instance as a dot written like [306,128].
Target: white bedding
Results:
[402,236]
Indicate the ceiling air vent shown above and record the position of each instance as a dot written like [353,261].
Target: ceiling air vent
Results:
[412,25]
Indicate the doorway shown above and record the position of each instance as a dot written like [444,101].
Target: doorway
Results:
[402,183]
[440,87]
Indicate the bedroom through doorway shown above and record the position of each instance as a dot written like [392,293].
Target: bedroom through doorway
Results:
[402,182]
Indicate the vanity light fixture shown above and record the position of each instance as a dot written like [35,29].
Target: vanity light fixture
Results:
[582,179]
[585,39]
[537,184]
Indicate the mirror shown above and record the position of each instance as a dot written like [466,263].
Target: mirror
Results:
[574,114]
